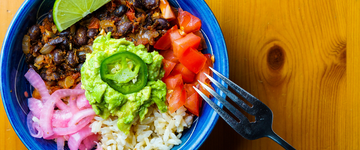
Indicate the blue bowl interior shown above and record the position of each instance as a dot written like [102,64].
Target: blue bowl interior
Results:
[13,68]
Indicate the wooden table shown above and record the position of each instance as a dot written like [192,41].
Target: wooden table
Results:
[300,57]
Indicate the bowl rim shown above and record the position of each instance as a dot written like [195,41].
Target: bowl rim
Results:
[25,6]
[6,43]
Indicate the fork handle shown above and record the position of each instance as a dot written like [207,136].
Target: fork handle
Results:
[280,141]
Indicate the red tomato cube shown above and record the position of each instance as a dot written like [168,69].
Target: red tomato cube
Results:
[164,42]
[192,104]
[188,22]
[176,99]
[169,55]
[187,75]
[166,11]
[182,44]
[168,66]
[173,81]
[193,60]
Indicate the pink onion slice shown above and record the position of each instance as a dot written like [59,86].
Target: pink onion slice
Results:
[82,147]
[72,104]
[60,143]
[80,115]
[61,118]
[37,82]
[68,92]
[82,102]
[48,110]
[34,128]
[73,129]
[75,139]
[35,106]
[78,86]
[90,141]
[47,114]
[61,105]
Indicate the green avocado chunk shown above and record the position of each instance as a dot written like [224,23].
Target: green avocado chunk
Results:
[107,101]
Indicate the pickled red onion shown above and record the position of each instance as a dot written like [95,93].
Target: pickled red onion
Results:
[37,82]
[75,139]
[67,123]
[33,127]
[60,143]
[80,115]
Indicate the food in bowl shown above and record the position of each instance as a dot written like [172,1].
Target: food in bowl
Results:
[111,81]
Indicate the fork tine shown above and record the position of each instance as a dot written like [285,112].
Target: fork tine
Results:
[237,88]
[231,121]
[232,109]
[237,100]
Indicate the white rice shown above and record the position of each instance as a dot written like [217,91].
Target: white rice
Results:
[157,131]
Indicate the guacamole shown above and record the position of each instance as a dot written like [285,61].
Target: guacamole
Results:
[107,100]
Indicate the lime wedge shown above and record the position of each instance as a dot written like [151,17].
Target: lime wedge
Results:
[68,12]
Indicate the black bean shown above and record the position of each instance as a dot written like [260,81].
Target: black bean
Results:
[55,76]
[82,57]
[138,3]
[50,16]
[124,28]
[34,32]
[59,56]
[29,58]
[92,33]
[72,59]
[78,68]
[162,24]
[64,33]
[36,48]
[151,4]
[56,40]
[43,74]
[81,37]
[65,43]
[120,11]
[32,66]
[148,20]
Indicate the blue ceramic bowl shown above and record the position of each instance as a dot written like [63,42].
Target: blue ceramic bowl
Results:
[14,84]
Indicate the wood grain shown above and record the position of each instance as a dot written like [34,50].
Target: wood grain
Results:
[292,55]
[299,57]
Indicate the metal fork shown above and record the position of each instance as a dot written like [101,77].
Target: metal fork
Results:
[262,127]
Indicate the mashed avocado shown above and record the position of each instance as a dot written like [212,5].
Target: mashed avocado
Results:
[107,101]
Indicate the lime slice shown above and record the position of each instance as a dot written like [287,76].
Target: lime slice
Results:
[68,12]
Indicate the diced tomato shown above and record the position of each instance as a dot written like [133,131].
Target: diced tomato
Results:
[193,60]
[201,76]
[131,14]
[189,89]
[168,66]
[174,35]
[188,22]
[173,81]
[166,11]
[94,23]
[177,98]
[192,104]
[164,42]
[169,55]
[182,44]
[187,75]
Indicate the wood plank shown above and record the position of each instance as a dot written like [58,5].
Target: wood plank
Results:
[292,56]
